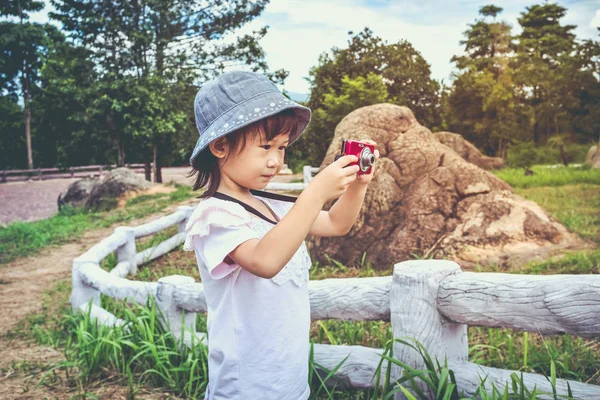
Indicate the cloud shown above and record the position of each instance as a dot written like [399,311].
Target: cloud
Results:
[301,30]
[595,22]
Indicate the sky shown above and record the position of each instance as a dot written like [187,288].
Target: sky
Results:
[300,30]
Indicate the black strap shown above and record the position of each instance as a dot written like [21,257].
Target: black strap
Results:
[246,206]
[274,196]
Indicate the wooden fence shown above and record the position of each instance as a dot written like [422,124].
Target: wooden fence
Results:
[432,301]
[16,175]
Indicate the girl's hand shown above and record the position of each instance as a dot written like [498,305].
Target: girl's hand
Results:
[334,180]
[366,178]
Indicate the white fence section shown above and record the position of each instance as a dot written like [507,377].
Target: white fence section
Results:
[431,301]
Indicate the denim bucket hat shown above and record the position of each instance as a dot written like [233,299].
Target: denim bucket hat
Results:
[237,99]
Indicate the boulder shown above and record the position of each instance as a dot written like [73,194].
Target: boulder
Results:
[593,156]
[467,151]
[78,193]
[103,193]
[427,201]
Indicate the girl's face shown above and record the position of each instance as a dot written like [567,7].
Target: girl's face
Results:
[254,165]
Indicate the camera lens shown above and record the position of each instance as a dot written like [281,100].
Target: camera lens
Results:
[367,158]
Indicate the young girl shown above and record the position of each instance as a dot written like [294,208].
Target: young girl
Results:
[250,244]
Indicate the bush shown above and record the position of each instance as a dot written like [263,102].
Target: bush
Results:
[521,155]
[526,154]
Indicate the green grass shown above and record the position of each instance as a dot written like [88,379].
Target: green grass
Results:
[575,358]
[20,239]
[544,176]
[145,354]
[575,206]
[94,353]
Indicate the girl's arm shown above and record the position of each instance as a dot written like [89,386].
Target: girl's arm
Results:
[267,256]
[342,215]
[339,219]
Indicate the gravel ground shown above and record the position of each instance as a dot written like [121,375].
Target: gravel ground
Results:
[33,200]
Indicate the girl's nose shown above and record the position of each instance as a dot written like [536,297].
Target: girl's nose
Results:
[273,162]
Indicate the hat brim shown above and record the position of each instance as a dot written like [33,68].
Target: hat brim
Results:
[249,112]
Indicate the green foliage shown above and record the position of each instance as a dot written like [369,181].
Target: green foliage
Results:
[24,46]
[12,141]
[531,87]
[526,154]
[574,205]
[126,77]
[572,263]
[521,155]
[20,239]
[549,176]
[481,104]
[142,351]
[353,94]
[573,357]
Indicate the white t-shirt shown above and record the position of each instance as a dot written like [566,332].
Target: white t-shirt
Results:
[258,329]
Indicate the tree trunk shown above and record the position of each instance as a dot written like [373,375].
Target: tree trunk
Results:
[27,117]
[148,171]
[535,128]
[28,131]
[500,148]
[563,155]
[157,167]
[120,151]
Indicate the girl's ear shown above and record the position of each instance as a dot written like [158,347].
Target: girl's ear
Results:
[219,147]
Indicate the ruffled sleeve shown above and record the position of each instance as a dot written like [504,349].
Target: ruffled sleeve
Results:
[215,229]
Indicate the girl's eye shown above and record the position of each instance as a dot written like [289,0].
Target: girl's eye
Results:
[268,147]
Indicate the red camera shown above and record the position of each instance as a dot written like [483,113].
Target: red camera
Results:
[364,151]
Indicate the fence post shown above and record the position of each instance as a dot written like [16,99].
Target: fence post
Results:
[128,250]
[174,318]
[414,314]
[81,294]
[307,171]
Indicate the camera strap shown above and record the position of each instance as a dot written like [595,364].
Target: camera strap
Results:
[258,193]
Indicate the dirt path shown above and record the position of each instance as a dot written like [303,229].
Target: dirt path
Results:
[22,285]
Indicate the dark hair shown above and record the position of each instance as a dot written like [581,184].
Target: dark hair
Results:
[205,166]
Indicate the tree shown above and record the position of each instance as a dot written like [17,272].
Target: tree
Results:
[482,104]
[65,135]
[144,50]
[403,71]
[353,94]
[543,67]
[12,142]
[23,47]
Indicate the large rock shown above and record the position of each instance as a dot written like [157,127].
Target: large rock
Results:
[78,193]
[103,194]
[593,156]
[427,201]
[467,151]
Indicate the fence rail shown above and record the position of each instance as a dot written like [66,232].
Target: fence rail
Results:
[15,175]
[431,301]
